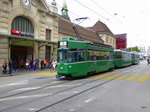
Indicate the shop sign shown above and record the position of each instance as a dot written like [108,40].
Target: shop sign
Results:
[22,33]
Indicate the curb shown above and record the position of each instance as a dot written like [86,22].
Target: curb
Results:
[46,72]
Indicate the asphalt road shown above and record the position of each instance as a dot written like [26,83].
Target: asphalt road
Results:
[122,90]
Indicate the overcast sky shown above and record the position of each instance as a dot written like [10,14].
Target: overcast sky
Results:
[121,16]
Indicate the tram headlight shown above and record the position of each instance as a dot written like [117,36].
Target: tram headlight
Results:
[61,68]
[70,66]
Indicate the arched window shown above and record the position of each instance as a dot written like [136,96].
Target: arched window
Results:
[22,26]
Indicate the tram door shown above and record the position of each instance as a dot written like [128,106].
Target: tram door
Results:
[19,53]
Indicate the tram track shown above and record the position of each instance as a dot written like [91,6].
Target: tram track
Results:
[5,91]
[41,87]
[61,91]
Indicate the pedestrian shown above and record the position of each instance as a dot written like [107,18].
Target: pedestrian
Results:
[45,62]
[27,64]
[148,61]
[34,65]
[10,65]
[21,63]
[42,64]
[54,64]
[4,66]
[50,64]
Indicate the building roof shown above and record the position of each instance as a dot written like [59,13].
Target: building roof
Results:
[100,27]
[65,26]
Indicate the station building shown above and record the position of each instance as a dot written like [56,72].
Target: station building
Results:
[28,30]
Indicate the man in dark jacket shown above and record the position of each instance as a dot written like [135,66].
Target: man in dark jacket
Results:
[10,65]
[148,61]
[42,64]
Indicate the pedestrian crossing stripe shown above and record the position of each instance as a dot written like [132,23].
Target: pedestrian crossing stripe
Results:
[137,77]
[102,75]
[145,77]
[124,76]
[113,76]
[134,76]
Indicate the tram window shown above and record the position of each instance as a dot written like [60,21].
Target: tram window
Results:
[72,55]
[118,55]
[102,55]
[91,54]
[62,56]
[110,55]
[133,55]
[81,55]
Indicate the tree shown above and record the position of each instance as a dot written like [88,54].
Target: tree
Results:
[136,48]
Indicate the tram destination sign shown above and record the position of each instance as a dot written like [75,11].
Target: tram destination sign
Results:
[63,44]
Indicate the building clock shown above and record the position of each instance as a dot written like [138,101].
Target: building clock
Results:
[26,2]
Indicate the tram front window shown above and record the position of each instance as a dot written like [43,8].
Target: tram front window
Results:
[62,56]
[68,56]
[72,56]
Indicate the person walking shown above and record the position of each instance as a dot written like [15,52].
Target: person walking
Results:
[42,64]
[27,64]
[21,64]
[10,65]
[148,61]
[4,66]
[34,65]
[45,62]
[54,64]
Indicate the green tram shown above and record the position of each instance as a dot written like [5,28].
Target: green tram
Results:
[78,58]
[122,58]
[135,58]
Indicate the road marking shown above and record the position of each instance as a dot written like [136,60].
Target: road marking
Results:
[71,110]
[124,76]
[26,89]
[33,109]
[103,75]
[88,100]
[16,83]
[145,77]
[113,76]
[60,86]
[134,76]
[24,97]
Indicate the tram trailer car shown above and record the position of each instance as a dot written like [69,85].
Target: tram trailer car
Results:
[122,58]
[78,58]
[135,58]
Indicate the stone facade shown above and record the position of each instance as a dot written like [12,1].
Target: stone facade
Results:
[104,33]
[108,39]
[41,16]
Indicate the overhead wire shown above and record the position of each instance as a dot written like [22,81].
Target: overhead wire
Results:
[107,19]
[91,10]
[75,15]
[105,11]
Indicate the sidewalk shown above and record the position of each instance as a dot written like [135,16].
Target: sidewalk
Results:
[31,72]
